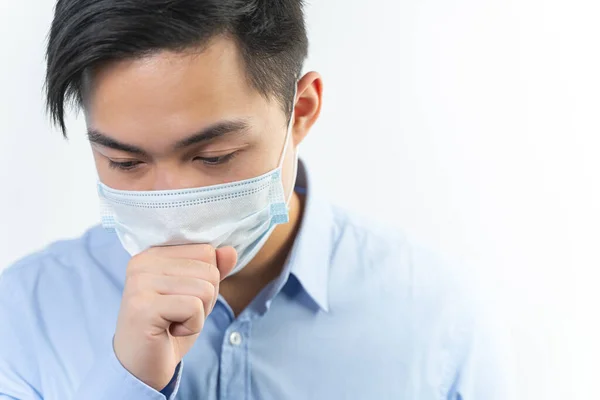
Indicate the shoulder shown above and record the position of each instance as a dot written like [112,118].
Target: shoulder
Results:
[450,309]
[64,261]
[46,294]
[366,245]
[412,282]
[67,278]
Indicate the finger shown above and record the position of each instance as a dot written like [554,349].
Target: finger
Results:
[200,252]
[159,266]
[182,315]
[184,286]
[191,269]
[226,260]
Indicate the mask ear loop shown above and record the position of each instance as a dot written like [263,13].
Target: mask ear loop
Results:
[288,136]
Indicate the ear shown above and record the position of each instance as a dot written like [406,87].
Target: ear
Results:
[309,99]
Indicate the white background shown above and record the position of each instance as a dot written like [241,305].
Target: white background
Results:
[472,124]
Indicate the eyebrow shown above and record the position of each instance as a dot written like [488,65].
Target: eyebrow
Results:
[220,129]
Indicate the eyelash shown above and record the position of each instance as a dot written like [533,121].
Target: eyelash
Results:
[123,166]
[216,161]
[208,161]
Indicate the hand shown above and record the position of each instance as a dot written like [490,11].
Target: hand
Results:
[169,292]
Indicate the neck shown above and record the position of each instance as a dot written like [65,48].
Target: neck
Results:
[240,289]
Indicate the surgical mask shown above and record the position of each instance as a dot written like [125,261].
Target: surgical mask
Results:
[239,214]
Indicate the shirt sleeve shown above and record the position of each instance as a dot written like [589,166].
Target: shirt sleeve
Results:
[20,370]
[19,377]
[108,379]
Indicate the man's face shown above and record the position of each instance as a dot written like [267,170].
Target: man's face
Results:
[182,120]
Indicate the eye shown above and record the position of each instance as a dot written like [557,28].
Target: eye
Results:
[124,165]
[213,161]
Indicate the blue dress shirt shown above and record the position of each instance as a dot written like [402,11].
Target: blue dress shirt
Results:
[358,313]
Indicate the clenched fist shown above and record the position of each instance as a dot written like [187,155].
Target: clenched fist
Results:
[169,292]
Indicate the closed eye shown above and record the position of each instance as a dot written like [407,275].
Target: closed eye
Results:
[124,165]
[214,161]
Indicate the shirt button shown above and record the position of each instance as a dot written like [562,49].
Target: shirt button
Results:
[235,339]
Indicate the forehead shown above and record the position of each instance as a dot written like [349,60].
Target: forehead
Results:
[172,93]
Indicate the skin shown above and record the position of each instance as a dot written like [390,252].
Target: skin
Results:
[151,107]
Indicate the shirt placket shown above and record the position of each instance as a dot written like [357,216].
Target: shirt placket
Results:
[234,372]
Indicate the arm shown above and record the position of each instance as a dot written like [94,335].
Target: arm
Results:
[19,375]
[109,380]
[20,364]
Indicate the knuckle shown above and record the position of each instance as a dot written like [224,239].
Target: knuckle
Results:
[200,270]
[133,284]
[214,275]
[188,264]
[136,264]
[197,305]
[209,253]
[207,292]
[196,325]
[139,284]
[138,305]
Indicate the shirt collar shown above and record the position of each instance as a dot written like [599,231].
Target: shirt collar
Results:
[310,257]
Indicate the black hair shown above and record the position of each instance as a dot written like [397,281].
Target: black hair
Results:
[85,34]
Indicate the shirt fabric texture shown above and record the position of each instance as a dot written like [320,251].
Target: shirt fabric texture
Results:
[358,313]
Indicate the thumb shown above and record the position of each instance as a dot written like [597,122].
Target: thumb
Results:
[226,260]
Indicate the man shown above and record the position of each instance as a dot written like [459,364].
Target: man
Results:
[222,274]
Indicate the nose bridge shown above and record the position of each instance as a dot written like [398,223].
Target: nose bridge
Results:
[171,176]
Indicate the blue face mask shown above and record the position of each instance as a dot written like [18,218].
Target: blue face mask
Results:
[240,214]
